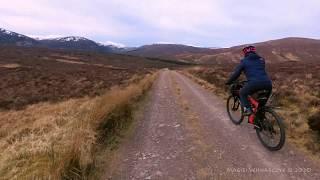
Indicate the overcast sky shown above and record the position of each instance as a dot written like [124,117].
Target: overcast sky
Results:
[210,23]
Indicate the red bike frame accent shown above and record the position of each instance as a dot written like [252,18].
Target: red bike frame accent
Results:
[255,105]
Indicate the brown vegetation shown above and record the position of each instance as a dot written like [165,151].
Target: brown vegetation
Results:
[31,75]
[59,140]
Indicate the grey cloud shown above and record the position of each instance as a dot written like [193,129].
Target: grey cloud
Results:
[206,22]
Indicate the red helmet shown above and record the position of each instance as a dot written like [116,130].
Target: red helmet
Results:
[248,49]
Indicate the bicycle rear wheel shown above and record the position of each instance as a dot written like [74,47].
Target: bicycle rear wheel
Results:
[235,110]
[271,132]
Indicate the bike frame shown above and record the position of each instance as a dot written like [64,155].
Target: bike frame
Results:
[255,104]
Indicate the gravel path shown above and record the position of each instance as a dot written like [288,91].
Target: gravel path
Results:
[185,133]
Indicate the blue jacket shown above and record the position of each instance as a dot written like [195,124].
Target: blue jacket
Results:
[253,67]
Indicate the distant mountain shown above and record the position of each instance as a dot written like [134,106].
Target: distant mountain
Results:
[281,50]
[75,43]
[12,38]
[167,50]
[117,49]
[274,51]
[68,43]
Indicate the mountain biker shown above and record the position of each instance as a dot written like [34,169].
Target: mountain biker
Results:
[253,67]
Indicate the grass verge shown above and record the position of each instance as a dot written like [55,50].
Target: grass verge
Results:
[60,141]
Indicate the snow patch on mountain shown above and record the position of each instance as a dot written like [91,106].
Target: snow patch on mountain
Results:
[44,37]
[6,31]
[10,33]
[71,39]
[110,43]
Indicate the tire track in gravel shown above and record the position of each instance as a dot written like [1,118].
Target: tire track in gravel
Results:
[159,148]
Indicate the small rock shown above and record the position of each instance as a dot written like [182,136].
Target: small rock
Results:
[141,174]
[159,173]
[180,139]
[154,155]
[291,153]
[149,177]
[243,147]
[191,149]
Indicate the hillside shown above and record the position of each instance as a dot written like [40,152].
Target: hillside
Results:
[75,43]
[167,50]
[12,38]
[32,75]
[275,51]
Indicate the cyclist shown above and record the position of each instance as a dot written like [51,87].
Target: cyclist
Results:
[253,67]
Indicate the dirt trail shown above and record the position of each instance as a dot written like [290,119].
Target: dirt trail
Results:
[185,133]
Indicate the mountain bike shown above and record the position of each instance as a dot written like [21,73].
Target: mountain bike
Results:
[267,123]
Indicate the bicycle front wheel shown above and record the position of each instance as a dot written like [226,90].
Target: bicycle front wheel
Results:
[271,132]
[235,109]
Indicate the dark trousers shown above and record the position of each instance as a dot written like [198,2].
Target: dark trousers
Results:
[252,87]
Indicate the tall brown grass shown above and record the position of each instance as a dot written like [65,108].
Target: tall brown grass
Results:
[58,141]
